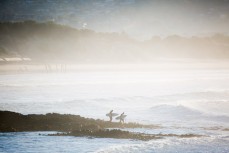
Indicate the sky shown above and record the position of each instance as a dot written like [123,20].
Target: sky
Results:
[141,19]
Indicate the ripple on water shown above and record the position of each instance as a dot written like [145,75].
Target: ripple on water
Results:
[39,142]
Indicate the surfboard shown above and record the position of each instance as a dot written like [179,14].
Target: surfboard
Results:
[118,118]
[113,114]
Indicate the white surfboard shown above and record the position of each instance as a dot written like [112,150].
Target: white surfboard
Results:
[112,114]
[119,117]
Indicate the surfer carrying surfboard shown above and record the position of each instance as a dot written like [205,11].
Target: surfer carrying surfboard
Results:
[110,115]
[121,118]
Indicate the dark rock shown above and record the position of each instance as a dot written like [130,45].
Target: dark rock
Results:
[11,121]
[120,134]
[75,125]
[7,129]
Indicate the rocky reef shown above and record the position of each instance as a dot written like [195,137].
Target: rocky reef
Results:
[16,122]
[121,134]
[75,125]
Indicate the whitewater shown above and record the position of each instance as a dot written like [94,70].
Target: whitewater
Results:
[181,101]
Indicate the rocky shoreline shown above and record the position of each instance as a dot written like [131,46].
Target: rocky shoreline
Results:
[121,134]
[75,125]
[16,122]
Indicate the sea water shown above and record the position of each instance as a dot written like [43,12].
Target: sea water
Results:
[35,142]
[181,101]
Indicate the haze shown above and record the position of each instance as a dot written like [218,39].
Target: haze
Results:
[140,19]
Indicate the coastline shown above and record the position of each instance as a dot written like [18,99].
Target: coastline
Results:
[75,125]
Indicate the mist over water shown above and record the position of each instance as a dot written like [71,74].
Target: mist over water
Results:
[182,100]
[161,96]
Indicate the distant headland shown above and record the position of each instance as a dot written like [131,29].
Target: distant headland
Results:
[49,42]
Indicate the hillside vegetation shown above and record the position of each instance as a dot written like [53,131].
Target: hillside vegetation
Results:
[53,42]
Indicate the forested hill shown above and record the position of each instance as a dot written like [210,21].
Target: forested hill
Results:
[47,42]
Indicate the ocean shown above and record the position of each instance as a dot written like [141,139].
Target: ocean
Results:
[181,101]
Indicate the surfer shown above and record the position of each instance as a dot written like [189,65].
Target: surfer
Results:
[122,116]
[110,115]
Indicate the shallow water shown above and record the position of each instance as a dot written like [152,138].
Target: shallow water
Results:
[40,142]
